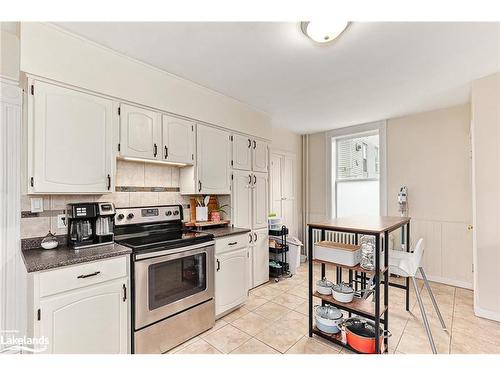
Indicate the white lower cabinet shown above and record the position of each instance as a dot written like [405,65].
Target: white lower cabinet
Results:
[231,279]
[87,319]
[260,257]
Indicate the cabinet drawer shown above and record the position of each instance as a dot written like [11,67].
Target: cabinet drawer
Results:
[229,243]
[72,277]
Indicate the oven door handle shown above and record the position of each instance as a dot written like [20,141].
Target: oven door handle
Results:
[218,265]
[159,253]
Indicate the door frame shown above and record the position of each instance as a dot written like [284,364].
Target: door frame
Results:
[380,127]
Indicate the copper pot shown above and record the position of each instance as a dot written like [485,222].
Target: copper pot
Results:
[360,335]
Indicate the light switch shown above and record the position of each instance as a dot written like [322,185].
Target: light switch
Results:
[37,204]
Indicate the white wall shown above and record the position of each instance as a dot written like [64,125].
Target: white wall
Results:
[485,105]
[430,154]
[52,53]
[9,50]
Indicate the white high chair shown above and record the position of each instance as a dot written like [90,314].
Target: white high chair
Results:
[407,264]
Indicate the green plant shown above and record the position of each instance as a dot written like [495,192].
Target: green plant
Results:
[221,209]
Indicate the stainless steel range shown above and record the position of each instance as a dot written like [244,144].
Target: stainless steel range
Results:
[172,277]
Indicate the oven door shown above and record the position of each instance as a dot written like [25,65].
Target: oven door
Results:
[170,281]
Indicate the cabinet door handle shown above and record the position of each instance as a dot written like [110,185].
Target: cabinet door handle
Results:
[155,150]
[254,145]
[249,143]
[250,235]
[166,152]
[109,182]
[232,243]
[124,287]
[250,179]
[255,237]
[254,179]
[218,265]
[199,185]
[88,275]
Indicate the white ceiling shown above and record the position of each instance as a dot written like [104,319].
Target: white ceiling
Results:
[374,71]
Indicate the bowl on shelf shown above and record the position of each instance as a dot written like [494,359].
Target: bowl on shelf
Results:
[324,286]
[342,292]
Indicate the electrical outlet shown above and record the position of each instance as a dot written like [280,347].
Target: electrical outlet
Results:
[61,221]
[36,204]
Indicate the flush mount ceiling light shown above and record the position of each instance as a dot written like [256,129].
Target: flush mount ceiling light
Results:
[323,31]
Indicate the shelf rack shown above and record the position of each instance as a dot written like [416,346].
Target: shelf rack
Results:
[284,271]
[377,311]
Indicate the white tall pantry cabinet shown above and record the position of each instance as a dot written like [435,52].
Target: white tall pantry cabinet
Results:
[250,201]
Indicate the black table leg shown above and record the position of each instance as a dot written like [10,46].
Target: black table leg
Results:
[407,279]
[311,272]
[377,292]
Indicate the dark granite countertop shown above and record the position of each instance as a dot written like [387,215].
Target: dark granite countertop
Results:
[41,259]
[224,231]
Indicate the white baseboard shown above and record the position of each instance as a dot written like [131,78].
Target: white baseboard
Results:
[452,282]
[488,314]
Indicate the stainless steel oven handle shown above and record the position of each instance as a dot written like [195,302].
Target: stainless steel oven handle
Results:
[155,254]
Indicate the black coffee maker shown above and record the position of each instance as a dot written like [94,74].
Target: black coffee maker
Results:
[90,224]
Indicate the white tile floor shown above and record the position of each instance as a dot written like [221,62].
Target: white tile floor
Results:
[274,320]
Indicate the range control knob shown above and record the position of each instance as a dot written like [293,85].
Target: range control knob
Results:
[176,212]
[120,216]
[130,216]
[168,213]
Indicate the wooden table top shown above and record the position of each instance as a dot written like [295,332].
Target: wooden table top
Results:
[363,224]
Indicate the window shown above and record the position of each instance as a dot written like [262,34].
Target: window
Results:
[364,151]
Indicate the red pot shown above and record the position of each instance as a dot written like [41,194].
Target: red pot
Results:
[360,335]
[215,216]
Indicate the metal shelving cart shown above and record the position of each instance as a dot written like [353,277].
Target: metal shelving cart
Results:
[279,268]
[377,311]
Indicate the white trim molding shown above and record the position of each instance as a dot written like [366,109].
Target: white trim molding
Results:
[12,271]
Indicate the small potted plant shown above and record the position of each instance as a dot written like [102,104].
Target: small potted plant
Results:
[215,214]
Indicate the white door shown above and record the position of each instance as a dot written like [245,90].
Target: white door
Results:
[242,153]
[288,207]
[260,156]
[231,280]
[241,194]
[213,160]
[70,141]
[178,140]
[260,257]
[140,133]
[260,193]
[275,185]
[90,320]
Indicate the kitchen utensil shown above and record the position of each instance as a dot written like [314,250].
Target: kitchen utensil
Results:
[367,261]
[360,335]
[324,286]
[340,253]
[206,200]
[49,241]
[343,292]
[328,319]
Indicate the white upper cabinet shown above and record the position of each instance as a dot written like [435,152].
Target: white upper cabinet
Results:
[260,156]
[260,187]
[140,133]
[213,161]
[242,153]
[69,141]
[249,154]
[241,194]
[178,140]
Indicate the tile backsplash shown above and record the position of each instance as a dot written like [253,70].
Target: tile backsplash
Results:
[129,175]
